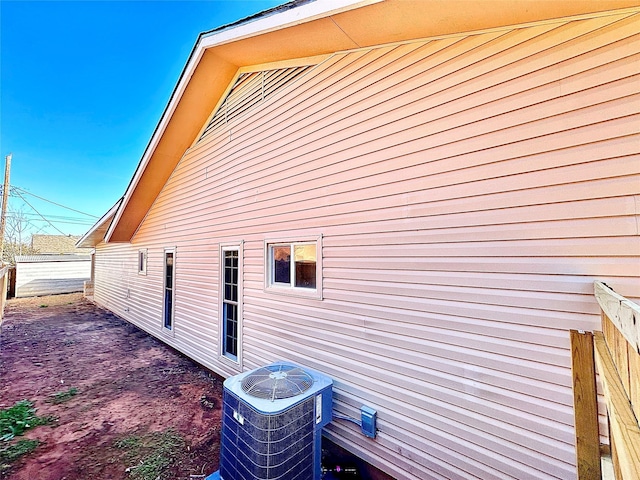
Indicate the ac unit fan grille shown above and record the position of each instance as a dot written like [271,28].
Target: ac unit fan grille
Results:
[276,382]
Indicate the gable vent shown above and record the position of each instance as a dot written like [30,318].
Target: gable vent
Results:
[252,89]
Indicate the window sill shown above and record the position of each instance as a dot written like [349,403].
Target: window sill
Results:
[235,364]
[294,292]
[169,332]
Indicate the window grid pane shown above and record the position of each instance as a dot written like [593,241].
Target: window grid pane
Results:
[168,290]
[281,256]
[230,304]
[305,266]
[231,329]
[231,276]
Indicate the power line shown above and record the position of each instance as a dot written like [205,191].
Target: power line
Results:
[66,222]
[52,225]
[17,214]
[17,192]
[20,190]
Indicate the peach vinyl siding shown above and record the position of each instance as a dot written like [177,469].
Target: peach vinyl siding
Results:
[468,191]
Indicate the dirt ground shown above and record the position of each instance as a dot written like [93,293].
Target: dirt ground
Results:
[128,383]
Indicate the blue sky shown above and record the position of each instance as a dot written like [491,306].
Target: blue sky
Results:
[82,87]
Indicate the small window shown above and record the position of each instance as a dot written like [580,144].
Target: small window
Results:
[142,262]
[169,288]
[294,267]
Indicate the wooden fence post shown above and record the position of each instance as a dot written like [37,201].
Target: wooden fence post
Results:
[585,403]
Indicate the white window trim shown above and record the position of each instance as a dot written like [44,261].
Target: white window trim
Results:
[270,287]
[237,362]
[143,270]
[164,329]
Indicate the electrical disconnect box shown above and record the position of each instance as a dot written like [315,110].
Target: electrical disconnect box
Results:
[368,417]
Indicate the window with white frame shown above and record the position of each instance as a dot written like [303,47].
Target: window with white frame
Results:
[231,302]
[142,261]
[169,288]
[294,267]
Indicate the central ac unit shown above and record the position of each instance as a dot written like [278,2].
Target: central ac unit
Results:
[272,423]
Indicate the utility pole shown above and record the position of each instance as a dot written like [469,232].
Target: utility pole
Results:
[5,199]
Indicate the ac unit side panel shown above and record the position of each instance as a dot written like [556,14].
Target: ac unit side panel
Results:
[299,417]
[257,446]
[261,430]
[273,440]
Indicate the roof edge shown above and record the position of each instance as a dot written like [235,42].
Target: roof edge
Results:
[42,258]
[284,16]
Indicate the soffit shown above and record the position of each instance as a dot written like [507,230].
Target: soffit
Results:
[94,237]
[97,233]
[402,20]
[217,57]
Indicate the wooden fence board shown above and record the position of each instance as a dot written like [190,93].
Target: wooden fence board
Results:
[617,344]
[614,457]
[634,374]
[586,406]
[623,424]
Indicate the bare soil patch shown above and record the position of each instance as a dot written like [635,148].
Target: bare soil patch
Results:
[128,385]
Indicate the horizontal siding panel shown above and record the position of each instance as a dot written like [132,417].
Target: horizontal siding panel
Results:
[226,167]
[592,267]
[440,199]
[443,448]
[401,461]
[296,151]
[288,134]
[533,300]
[417,326]
[392,161]
[274,191]
[482,380]
[439,313]
[516,281]
[437,403]
[597,247]
[348,213]
[526,351]
[552,230]
[454,52]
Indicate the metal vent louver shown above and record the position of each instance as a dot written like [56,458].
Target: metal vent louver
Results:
[251,89]
[276,382]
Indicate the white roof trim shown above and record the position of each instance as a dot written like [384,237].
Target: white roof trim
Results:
[166,117]
[279,20]
[288,18]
